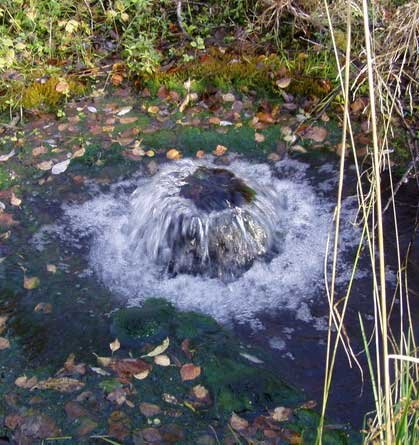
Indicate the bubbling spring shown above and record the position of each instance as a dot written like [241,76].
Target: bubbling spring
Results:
[202,220]
[232,242]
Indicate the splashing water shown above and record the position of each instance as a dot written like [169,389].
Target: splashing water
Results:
[275,262]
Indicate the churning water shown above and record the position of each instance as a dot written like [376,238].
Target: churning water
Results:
[233,258]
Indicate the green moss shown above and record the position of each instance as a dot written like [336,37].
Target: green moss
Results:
[5,179]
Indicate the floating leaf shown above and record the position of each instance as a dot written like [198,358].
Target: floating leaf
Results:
[200,154]
[115,345]
[259,137]
[104,361]
[190,372]
[159,349]
[131,367]
[149,409]
[92,109]
[142,375]
[30,282]
[4,343]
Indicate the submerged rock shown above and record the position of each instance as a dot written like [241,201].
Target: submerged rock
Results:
[202,220]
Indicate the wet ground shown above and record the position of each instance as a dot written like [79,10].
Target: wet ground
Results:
[55,306]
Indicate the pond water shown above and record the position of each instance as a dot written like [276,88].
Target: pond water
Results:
[278,303]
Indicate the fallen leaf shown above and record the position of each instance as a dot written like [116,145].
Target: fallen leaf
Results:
[162,360]
[79,153]
[298,149]
[265,118]
[284,82]
[99,371]
[149,409]
[128,119]
[3,319]
[62,87]
[173,154]
[45,308]
[153,109]
[131,367]
[92,109]
[44,166]
[150,153]
[159,349]
[70,366]
[104,361]
[123,111]
[214,120]
[220,150]
[228,97]
[4,343]
[61,167]
[259,137]
[52,268]
[118,396]
[238,423]
[6,219]
[4,158]
[200,392]
[225,123]
[117,79]
[169,398]
[190,372]
[115,345]
[142,375]
[37,151]
[200,154]
[61,384]
[15,201]
[30,282]
[281,414]
[25,382]
[317,134]
[185,103]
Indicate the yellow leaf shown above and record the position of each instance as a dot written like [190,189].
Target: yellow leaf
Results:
[104,361]
[30,282]
[115,345]
[142,375]
[159,349]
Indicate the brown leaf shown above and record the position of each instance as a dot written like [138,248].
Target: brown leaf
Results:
[15,201]
[115,345]
[284,82]
[118,396]
[44,166]
[190,372]
[153,109]
[214,120]
[220,150]
[62,87]
[317,134]
[117,79]
[259,137]
[128,119]
[149,409]
[61,384]
[70,367]
[25,382]
[238,423]
[281,414]
[46,308]
[6,220]
[162,360]
[129,367]
[200,154]
[265,117]
[3,319]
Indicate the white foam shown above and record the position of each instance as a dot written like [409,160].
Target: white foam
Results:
[290,281]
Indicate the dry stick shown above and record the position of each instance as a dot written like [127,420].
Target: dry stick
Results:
[329,359]
[376,164]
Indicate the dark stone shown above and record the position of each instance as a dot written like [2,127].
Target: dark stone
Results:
[215,189]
